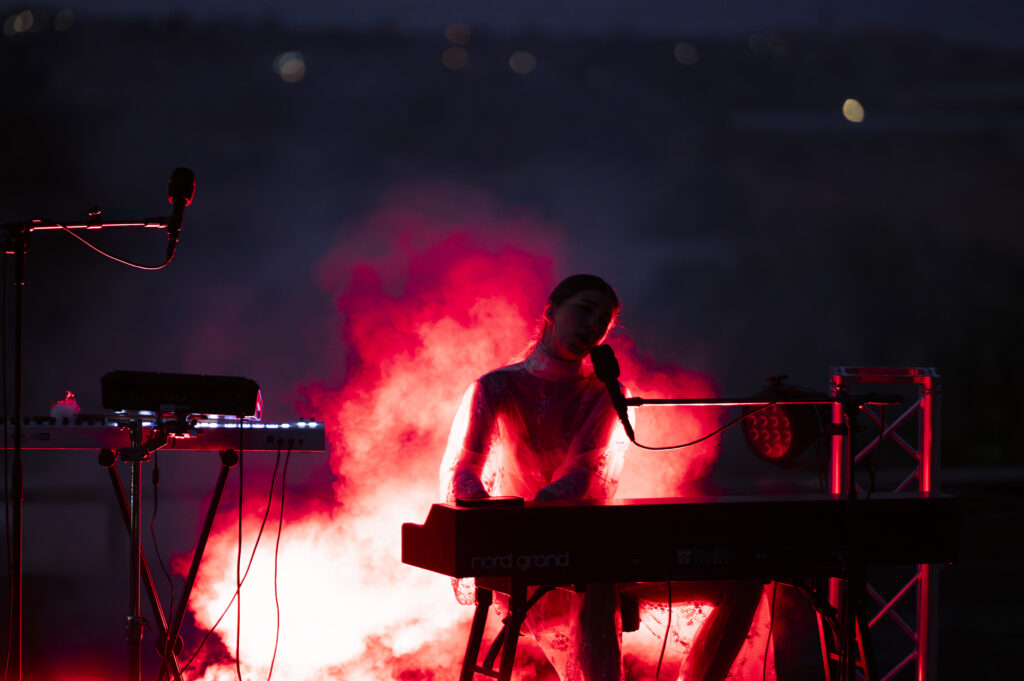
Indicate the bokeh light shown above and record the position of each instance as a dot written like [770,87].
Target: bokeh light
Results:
[759,44]
[290,66]
[19,23]
[455,58]
[686,54]
[779,45]
[773,44]
[522,62]
[853,111]
[64,19]
[457,33]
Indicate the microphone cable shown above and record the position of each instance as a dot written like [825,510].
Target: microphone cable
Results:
[111,256]
[181,189]
[277,551]
[259,535]
[238,559]
[728,425]
[606,369]
[7,476]
[168,644]
[668,630]
[873,470]
[771,627]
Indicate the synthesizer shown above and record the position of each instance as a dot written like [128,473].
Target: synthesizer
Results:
[97,432]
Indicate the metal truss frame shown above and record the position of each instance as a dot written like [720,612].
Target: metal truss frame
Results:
[922,585]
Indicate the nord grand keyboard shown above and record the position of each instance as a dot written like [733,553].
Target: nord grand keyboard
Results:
[638,540]
[97,432]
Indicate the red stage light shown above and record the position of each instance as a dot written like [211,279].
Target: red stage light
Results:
[780,433]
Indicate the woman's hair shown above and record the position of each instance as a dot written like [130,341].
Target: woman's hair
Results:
[570,286]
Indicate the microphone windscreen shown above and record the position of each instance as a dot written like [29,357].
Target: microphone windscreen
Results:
[182,185]
[605,365]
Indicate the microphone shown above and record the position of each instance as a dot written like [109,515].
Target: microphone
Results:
[606,367]
[180,190]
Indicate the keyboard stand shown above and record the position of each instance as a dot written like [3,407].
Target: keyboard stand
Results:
[844,656]
[107,460]
[506,639]
[170,641]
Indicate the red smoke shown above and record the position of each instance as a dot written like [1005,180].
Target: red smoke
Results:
[433,290]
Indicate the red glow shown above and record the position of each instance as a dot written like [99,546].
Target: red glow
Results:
[446,298]
[662,474]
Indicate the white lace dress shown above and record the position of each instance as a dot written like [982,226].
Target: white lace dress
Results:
[545,428]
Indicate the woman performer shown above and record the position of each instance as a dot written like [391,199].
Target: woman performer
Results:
[545,429]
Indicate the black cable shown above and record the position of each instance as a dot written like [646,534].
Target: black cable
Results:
[238,562]
[823,474]
[7,478]
[878,450]
[252,555]
[168,644]
[771,626]
[820,606]
[129,263]
[844,631]
[277,551]
[820,439]
[668,630]
[730,424]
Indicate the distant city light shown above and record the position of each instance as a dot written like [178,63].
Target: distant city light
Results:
[686,54]
[24,21]
[774,44]
[759,43]
[853,111]
[19,23]
[779,45]
[457,33]
[522,62]
[290,66]
[64,19]
[455,58]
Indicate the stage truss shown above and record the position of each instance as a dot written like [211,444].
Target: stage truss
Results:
[897,448]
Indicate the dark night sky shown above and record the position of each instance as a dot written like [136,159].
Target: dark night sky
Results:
[269,154]
[976,21]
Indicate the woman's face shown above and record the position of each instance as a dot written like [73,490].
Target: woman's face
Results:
[578,324]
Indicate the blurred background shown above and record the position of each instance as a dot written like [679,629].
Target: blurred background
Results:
[773,190]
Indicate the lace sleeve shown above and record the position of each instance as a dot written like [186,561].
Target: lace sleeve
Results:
[466,454]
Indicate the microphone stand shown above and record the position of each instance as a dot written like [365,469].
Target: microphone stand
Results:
[852,607]
[135,455]
[16,244]
[17,241]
